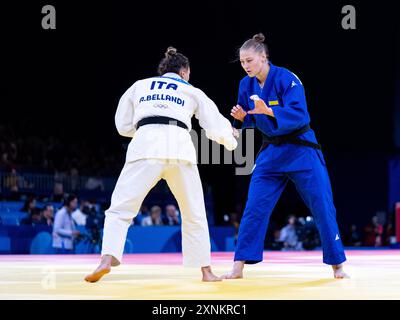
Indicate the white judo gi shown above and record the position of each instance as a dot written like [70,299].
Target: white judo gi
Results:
[162,151]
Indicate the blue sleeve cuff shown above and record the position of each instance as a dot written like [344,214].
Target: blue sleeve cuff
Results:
[237,124]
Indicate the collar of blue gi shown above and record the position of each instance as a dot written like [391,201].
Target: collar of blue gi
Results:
[269,82]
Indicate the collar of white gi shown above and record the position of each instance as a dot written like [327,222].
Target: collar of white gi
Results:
[172,75]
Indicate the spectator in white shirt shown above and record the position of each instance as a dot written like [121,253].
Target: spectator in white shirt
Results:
[288,235]
[79,215]
[64,230]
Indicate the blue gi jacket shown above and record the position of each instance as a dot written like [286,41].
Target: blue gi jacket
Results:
[284,93]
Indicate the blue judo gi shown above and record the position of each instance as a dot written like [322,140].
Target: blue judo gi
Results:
[277,164]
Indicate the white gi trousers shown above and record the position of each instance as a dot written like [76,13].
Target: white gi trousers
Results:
[137,178]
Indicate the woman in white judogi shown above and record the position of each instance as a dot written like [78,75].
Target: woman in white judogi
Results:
[156,112]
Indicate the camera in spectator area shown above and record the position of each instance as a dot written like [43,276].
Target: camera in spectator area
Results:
[94,223]
[307,233]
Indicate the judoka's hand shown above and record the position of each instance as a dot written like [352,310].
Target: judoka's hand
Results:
[260,107]
[235,133]
[238,113]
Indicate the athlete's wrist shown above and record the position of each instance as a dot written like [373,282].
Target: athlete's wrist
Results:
[269,112]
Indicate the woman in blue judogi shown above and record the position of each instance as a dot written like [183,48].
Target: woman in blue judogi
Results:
[272,100]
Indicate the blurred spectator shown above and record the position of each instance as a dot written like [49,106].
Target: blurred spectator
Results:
[172,216]
[5,162]
[47,215]
[154,219]
[288,235]
[373,233]
[390,234]
[353,238]
[143,213]
[74,176]
[12,181]
[308,233]
[15,183]
[233,220]
[87,214]
[51,155]
[34,218]
[95,183]
[277,235]
[58,192]
[64,230]
[60,177]
[94,223]
[29,205]
[80,214]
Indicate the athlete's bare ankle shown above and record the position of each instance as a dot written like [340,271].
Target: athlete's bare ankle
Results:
[106,260]
[337,266]
[206,269]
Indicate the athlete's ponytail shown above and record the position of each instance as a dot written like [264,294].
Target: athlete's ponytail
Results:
[173,62]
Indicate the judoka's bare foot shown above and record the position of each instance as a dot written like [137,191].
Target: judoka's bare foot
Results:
[208,276]
[102,269]
[338,272]
[237,271]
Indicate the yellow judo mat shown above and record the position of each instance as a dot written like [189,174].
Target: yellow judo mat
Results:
[283,275]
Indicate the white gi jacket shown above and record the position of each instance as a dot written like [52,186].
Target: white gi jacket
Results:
[169,96]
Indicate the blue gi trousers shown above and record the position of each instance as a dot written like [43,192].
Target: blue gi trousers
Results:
[265,189]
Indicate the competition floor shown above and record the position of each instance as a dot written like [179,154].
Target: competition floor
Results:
[375,274]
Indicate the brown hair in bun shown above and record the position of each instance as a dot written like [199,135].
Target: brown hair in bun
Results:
[172,62]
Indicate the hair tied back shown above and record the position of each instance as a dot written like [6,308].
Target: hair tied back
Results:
[171,51]
[259,37]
